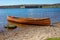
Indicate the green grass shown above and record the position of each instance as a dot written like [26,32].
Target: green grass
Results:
[53,39]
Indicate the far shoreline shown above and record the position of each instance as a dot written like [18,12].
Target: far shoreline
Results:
[32,6]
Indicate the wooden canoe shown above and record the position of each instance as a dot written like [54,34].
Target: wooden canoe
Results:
[31,21]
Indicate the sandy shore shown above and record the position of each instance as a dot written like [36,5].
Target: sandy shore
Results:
[31,32]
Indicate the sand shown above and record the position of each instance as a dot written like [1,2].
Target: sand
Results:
[31,32]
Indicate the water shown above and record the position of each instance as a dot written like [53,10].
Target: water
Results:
[52,13]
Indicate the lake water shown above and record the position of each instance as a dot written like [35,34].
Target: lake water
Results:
[52,13]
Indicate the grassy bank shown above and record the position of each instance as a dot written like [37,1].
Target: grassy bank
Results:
[53,39]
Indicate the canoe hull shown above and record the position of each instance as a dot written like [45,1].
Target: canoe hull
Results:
[31,21]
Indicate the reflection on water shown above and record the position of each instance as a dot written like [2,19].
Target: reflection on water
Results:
[20,26]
